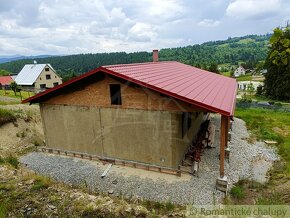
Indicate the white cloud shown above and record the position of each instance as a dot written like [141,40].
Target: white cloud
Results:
[209,23]
[34,27]
[245,9]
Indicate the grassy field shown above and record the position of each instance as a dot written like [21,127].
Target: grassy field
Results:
[228,74]
[22,94]
[245,78]
[270,125]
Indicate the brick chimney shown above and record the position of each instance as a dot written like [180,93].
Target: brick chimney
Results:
[155,55]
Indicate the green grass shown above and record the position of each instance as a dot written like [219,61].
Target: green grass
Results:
[10,93]
[6,116]
[41,182]
[228,74]
[12,160]
[238,192]
[5,206]
[244,78]
[269,125]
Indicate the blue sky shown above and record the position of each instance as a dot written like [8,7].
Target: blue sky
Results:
[34,27]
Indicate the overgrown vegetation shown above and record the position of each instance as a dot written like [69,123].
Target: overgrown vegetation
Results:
[19,95]
[267,124]
[238,192]
[7,116]
[12,160]
[41,182]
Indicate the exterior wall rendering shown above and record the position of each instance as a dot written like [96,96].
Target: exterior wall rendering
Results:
[146,127]
[47,79]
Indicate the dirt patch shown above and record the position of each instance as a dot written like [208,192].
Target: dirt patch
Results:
[23,133]
[260,167]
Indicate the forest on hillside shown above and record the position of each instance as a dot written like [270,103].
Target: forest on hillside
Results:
[248,49]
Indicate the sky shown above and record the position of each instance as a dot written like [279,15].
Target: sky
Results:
[60,27]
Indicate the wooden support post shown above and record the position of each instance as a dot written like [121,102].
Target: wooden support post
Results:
[223,143]
[227,124]
[222,183]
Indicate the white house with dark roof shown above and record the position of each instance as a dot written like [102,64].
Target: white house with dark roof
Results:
[38,76]
[239,71]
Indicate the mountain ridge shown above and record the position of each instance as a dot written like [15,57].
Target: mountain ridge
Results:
[250,48]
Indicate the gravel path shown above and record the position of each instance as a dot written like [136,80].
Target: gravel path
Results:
[184,190]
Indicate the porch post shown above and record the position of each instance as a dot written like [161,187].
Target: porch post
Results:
[223,142]
[221,183]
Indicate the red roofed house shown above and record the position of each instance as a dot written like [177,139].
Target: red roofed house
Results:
[5,81]
[145,114]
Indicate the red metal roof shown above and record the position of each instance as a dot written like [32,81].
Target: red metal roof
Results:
[5,80]
[201,88]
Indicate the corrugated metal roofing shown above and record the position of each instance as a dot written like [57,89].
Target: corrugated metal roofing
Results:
[29,73]
[5,80]
[213,92]
[209,90]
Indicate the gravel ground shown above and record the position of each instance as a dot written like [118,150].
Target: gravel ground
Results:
[194,190]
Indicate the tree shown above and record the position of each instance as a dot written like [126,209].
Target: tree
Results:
[213,67]
[14,87]
[260,90]
[251,89]
[277,79]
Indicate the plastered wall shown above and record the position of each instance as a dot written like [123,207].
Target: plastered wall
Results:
[146,128]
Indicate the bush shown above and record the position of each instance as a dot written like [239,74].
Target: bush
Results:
[238,192]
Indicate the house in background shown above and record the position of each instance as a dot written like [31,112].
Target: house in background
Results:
[244,85]
[38,77]
[147,114]
[5,82]
[239,71]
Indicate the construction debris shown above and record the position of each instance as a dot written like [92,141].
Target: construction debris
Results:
[106,171]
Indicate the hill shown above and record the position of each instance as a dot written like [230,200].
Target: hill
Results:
[251,48]
[5,59]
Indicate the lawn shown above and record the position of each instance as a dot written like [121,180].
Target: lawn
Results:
[244,78]
[22,94]
[228,74]
[271,125]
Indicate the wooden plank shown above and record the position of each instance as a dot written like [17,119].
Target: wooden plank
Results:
[106,170]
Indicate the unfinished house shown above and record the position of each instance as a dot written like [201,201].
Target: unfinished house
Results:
[146,114]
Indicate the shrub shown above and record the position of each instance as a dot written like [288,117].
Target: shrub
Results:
[238,192]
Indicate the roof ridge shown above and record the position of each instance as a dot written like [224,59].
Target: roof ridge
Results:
[136,64]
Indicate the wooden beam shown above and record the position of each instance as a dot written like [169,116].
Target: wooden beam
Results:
[223,143]
[227,124]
